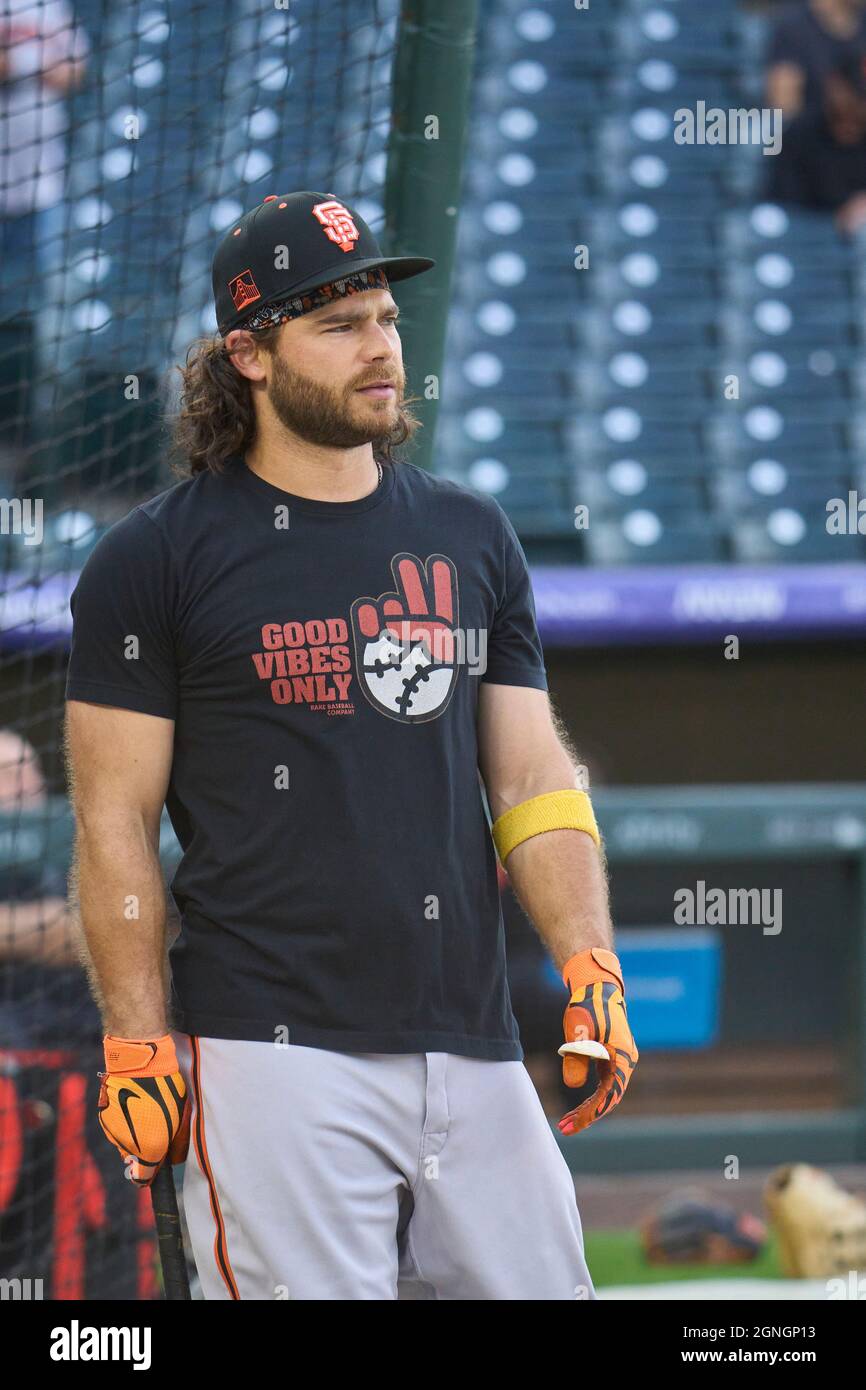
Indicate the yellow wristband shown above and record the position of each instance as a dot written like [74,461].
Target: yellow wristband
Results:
[565,810]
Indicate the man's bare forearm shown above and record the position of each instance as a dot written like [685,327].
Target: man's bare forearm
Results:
[120,890]
[559,877]
[561,882]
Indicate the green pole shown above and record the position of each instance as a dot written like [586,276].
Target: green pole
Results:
[432,83]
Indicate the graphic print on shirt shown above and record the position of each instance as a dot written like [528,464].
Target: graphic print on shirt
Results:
[405,645]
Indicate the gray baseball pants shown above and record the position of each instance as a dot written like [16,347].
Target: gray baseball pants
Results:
[325,1175]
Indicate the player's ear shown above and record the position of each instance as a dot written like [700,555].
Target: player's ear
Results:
[245,353]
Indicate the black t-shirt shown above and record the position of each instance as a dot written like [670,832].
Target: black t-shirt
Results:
[813,170]
[798,38]
[338,886]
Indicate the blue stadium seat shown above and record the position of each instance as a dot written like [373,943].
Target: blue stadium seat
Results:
[769,483]
[649,537]
[627,483]
[778,535]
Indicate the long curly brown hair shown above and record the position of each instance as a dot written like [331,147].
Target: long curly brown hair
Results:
[217,418]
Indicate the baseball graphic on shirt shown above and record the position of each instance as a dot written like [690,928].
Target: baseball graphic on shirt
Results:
[405,643]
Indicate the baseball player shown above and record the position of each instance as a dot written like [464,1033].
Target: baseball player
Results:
[314,654]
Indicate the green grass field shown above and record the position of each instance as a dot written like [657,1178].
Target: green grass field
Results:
[615,1257]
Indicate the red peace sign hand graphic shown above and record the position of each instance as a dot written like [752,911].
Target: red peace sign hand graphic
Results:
[421,609]
[406,638]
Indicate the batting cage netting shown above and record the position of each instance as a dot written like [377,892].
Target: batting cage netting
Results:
[131,137]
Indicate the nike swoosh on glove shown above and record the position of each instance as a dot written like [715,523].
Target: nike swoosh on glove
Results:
[143,1105]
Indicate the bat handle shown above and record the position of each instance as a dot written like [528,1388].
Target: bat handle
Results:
[169,1235]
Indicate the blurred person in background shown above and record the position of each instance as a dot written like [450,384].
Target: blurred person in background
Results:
[43,53]
[43,992]
[810,40]
[822,163]
[65,1211]
[42,60]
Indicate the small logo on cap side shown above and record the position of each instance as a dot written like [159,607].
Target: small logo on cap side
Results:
[243,289]
[337,224]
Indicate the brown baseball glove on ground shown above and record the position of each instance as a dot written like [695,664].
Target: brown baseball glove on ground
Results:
[691,1227]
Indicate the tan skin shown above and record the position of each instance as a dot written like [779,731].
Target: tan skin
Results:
[558,877]
[120,762]
[342,348]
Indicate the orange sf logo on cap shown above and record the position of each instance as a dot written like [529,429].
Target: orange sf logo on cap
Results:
[243,289]
[337,224]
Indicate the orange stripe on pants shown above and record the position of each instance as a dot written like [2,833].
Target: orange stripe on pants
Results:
[220,1247]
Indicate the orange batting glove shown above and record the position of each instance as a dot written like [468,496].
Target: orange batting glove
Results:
[143,1104]
[595,1014]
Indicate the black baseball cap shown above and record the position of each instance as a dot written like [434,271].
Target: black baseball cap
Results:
[325,240]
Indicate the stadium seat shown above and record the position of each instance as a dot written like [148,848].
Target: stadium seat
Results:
[783,534]
[649,537]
